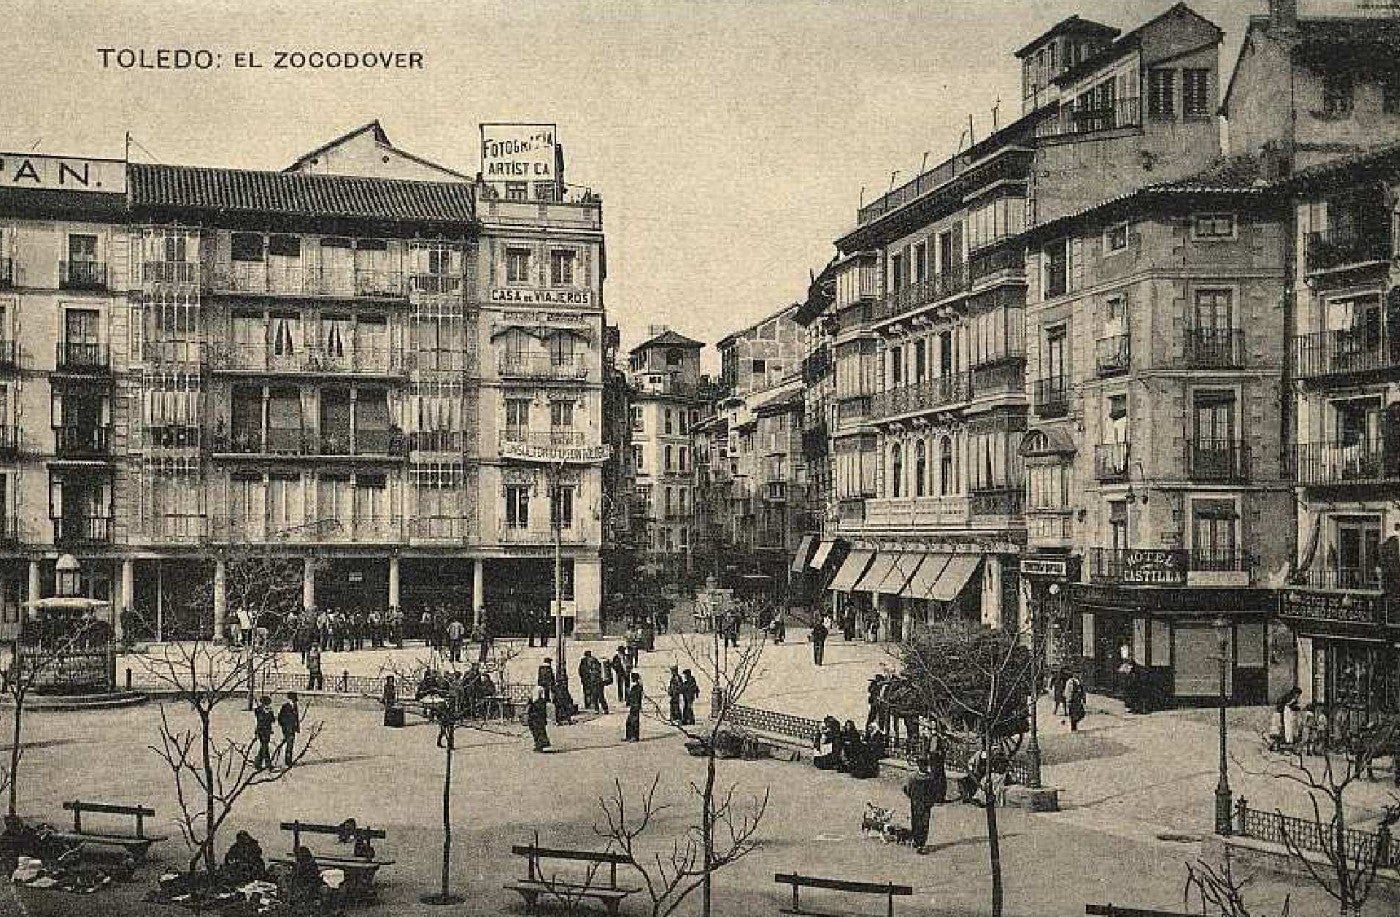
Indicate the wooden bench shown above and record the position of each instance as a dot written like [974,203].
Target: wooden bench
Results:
[1109,910]
[889,890]
[138,844]
[359,871]
[535,884]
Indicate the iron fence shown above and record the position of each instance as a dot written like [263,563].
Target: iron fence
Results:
[1311,836]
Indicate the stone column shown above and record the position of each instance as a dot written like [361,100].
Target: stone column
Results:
[33,595]
[478,587]
[220,597]
[588,598]
[308,585]
[127,595]
[393,581]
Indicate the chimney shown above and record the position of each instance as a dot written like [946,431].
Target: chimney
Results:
[1283,15]
[657,330]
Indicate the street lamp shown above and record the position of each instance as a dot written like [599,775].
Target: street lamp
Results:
[1223,802]
[1037,657]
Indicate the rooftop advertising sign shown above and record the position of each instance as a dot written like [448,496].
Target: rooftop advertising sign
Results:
[62,173]
[519,153]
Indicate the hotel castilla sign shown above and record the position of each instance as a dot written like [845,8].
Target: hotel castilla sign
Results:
[565,455]
[62,173]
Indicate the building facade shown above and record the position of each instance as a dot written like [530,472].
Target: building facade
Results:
[314,363]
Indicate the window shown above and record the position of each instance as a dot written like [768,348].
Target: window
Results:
[896,471]
[1057,269]
[561,267]
[546,191]
[1195,93]
[517,265]
[670,455]
[899,275]
[1338,91]
[638,457]
[561,414]
[517,506]
[517,191]
[1213,524]
[920,360]
[1212,226]
[561,511]
[947,469]
[1214,423]
[683,457]
[920,261]
[1355,554]
[1118,524]
[920,469]
[561,350]
[681,421]
[1115,238]
[1358,423]
[1056,364]
[673,356]
[287,246]
[896,366]
[1214,310]
[246,246]
[517,415]
[669,422]
[760,367]
[1161,94]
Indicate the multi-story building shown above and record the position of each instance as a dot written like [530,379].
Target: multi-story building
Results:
[1316,80]
[292,362]
[664,373]
[1342,594]
[1154,475]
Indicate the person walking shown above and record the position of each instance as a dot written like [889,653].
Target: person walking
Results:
[674,688]
[263,718]
[585,679]
[924,793]
[545,622]
[819,633]
[564,706]
[484,635]
[456,632]
[537,718]
[425,628]
[289,720]
[532,628]
[634,709]
[1057,689]
[1074,701]
[690,691]
[544,678]
[315,679]
[621,670]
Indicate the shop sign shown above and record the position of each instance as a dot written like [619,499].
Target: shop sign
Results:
[518,152]
[541,297]
[1331,606]
[568,455]
[62,173]
[1154,567]
[1037,567]
[1218,578]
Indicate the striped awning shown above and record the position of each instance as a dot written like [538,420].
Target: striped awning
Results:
[875,575]
[904,566]
[799,559]
[851,570]
[822,553]
[955,576]
[920,585]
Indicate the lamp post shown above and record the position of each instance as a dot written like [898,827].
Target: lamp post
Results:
[1223,801]
[1037,658]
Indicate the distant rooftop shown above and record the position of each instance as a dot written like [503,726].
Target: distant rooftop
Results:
[668,338]
[1074,25]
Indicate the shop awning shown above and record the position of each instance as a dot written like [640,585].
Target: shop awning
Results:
[851,570]
[799,560]
[823,552]
[954,577]
[920,585]
[884,562]
[904,566]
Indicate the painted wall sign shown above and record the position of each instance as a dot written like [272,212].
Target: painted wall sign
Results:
[62,173]
[1156,567]
[569,455]
[519,153]
[539,297]
[1036,567]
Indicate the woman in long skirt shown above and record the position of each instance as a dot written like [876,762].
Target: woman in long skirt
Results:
[536,717]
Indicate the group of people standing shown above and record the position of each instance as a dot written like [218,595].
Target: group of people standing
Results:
[1070,698]
[287,719]
[846,749]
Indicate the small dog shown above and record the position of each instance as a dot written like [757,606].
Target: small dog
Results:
[878,823]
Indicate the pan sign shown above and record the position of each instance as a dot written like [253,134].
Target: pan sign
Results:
[62,173]
[519,153]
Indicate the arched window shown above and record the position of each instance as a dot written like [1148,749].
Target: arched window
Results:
[920,469]
[896,471]
[947,468]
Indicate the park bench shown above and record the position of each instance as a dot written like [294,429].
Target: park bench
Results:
[359,871]
[889,890]
[138,844]
[535,884]
[1109,910]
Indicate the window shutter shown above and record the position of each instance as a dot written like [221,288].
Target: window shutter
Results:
[57,409]
[56,498]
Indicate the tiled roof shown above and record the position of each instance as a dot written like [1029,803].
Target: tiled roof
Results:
[381,138]
[204,189]
[1389,154]
[668,339]
[1073,25]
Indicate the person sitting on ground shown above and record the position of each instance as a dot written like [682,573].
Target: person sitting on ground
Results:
[852,747]
[244,860]
[872,749]
[828,745]
[305,888]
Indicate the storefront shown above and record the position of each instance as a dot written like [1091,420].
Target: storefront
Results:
[1048,579]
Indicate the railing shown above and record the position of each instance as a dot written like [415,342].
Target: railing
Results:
[77,530]
[178,527]
[1111,462]
[171,436]
[82,275]
[1143,566]
[267,277]
[541,534]
[437,441]
[1051,396]
[364,442]
[1214,348]
[1347,594]
[11,438]
[1221,560]
[369,360]
[853,410]
[542,437]
[925,395]
[542,366]
[905,512]
[173,352]
[1112,355]
[1315,835]
[305,442]
[1347,245]
[1335,463]
[1008,260]
[266,358]
[82,442]
[82,356]
[1049,525]
[997,501]
[1071,121]
[174,273]
[1004,375]
[852,317]
[441,528]
[436,284]
[951,282]
[1339,578]
[1217,460]
[1356,350]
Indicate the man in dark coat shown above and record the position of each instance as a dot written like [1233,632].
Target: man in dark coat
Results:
[690,691]
[674,689]
[924,793]
[263,718]
[289,719]
[590,676]
[818,640]
[634,709]
[564,706]
[544,678]
[621,671]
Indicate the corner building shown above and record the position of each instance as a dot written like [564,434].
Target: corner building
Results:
[311,362]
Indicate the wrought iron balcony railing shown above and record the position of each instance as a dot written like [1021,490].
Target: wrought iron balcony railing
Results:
[1051,396]
[82,275]
[1335,353]
[1072,120]
[1348,245]
[82,530]
[1112,355]
[1111,462]
[82,357]
[1217,460]
[926,395]
[997,501]
[542,437]
[1214,348]
[82,442]
[1335,463]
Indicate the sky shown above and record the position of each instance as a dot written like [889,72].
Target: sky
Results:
[730,140]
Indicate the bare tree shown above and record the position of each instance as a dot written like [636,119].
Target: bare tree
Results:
[968,675]
[31,661]
[1218,890]
[1327,776]
[462,699]
[212,770]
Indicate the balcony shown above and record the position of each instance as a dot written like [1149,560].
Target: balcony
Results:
[541,534]
[1051,396]
[1111,462]
[169,273]
[543,437]
[82,357]
[1112,355]
[184,353]
[78,531]
[917,512]
[929,394]
[1169,566]
[850,511]
[949,283]
[171,436]
[776,492]
[1214,348]
[441,528]
[1339,353]
[853,410]
[1050,526]
[177,528]
[263,358]
[288,442]
[10,439]
[544,366]
[997,501]
[437,441]
[82,443]
[1217,460]
[266,278]
[82,275]
[1350,245]
[436,284]
[1333,464]
[1006,263]
[371,443]
[1346,595]
[1071,121]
